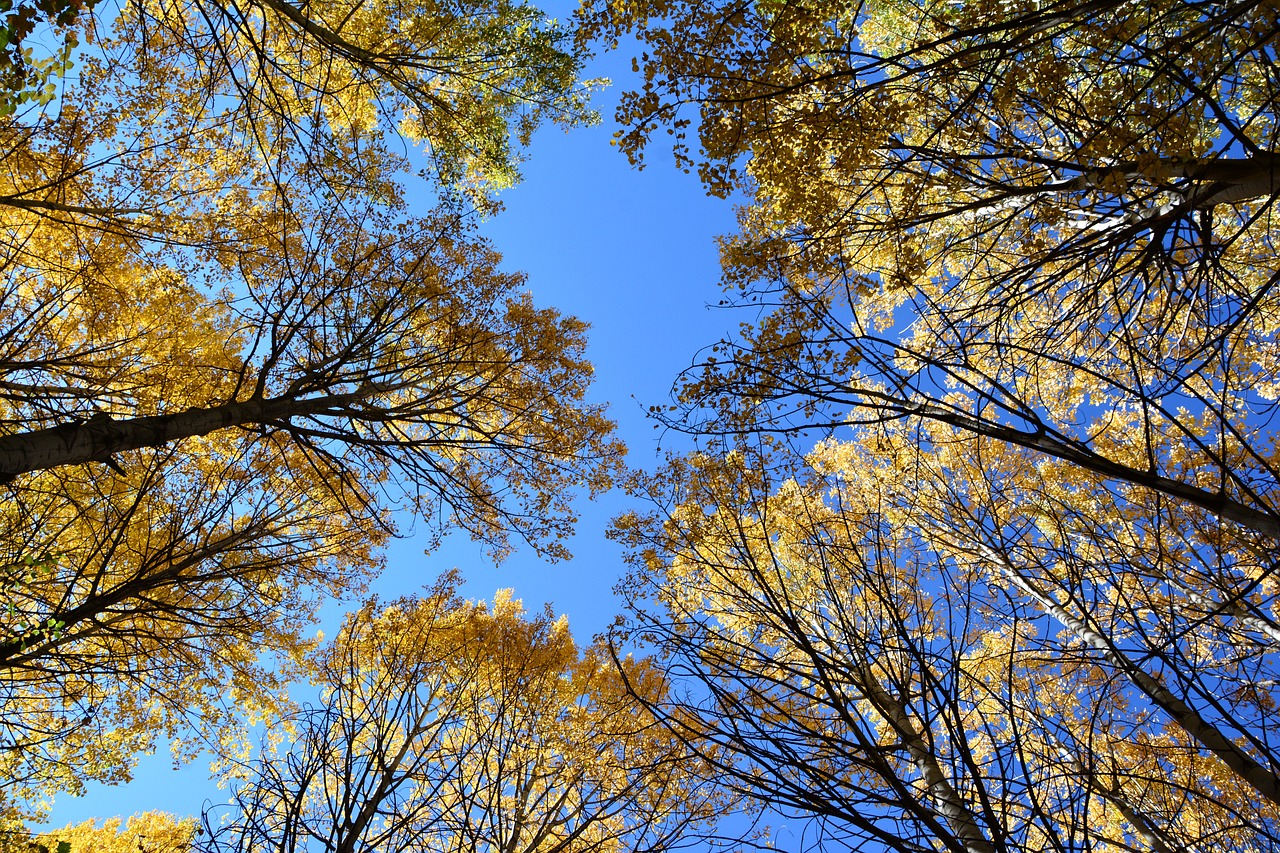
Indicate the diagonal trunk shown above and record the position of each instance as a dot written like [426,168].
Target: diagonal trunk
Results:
[1265,522]
[944,795]
[98,438]
[1248,769]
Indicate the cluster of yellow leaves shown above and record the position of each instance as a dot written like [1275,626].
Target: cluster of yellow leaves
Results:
[468,79]
[446,724]
[860,635]
[1069,205]
[148,832]
[1029,248]
[160,592]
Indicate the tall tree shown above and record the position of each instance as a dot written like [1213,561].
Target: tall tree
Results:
[230,346]
[385,364]
[191,86]
[1028,250]
[843,663]
[1006,222]
[372,343]
[451,725]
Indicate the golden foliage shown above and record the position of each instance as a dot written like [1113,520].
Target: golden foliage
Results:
[148,832]
[1017,258]
[866,651]
[229,349]
[446,724]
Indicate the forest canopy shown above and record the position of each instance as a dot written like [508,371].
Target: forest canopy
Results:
[972,543]
[979,549]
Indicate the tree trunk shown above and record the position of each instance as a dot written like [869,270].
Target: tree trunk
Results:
[1260,521]
[1205,733]
[100,437]
[946,799]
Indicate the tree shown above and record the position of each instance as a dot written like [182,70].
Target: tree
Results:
[840,663]
[450,725]
[230,345]
[371,344]
[466,78]
[1004,223]
[285,83]
[921,140]
[1024,254]
[383,363]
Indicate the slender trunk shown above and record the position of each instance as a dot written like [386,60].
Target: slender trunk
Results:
[1204,184]
[946,800]
[1235,609]
[1114,794]
[1229,181]
[1216,181]
[1205,733]
[100,437]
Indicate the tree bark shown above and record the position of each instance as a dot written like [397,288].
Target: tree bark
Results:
[1262,780]
[946,799]
[100,437]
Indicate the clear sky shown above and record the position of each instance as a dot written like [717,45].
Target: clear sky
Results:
[631,252]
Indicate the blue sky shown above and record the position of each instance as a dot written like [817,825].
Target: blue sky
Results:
[631,252]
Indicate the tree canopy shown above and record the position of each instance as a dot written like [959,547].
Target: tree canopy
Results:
[230,347]
[854,648]
[451,725]
[982,542]
[146,832]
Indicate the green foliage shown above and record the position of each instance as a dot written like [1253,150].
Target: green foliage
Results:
[24,76]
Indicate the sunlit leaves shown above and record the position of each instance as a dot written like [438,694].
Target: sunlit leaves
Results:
[862,651]
[1023,250]
[212,286]
[446,724]
[146,831]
